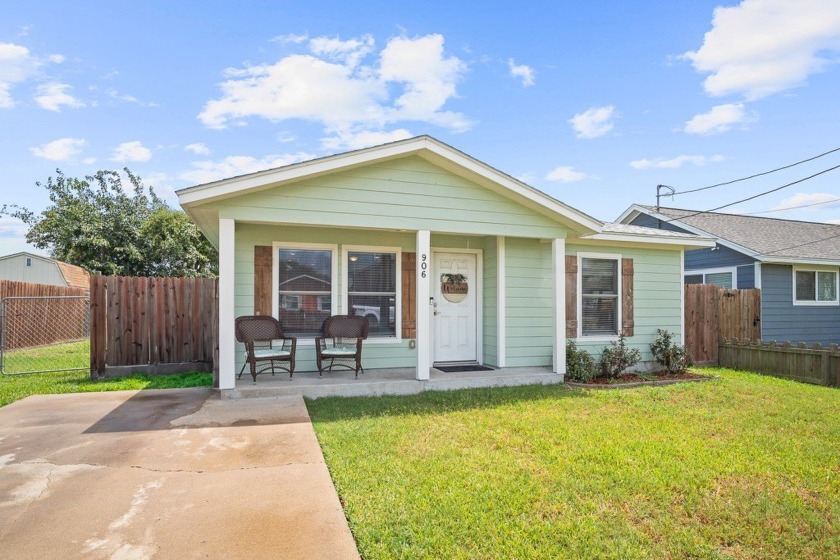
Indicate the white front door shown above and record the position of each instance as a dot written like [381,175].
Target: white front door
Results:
[454,321]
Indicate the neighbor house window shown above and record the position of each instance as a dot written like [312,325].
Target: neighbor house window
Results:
[725,278]
[815,287]
[372,289]
[305,289]
[599,299]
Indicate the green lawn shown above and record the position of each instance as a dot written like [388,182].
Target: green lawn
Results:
[66,356]
[745,466]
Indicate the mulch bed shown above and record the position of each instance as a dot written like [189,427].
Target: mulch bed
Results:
[635,380]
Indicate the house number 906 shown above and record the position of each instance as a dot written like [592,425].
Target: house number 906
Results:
[423,265]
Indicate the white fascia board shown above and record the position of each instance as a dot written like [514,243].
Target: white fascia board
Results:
[691,229]
[630,214]
[421,146]
[794,260]
[652,239]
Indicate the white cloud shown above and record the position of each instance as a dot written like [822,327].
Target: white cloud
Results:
[816,201]
[132,151]
[128,98]
[593,122]
[674,163]
[63,149]
[521,71]
[52,96]
[198,148]
[565,174]
[347,140]
[11,227]
[231,166]
[719,119]
[762,47]
[411,79]
[291,38]
[17,64]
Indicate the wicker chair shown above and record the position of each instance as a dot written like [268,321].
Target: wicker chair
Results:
[259,335]
[341,344]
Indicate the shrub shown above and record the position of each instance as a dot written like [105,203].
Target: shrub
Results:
[674,357]
[617,358]
[580,365]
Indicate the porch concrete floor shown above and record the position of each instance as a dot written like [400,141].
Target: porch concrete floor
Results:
[390,381]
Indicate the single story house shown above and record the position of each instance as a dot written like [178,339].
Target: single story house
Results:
[37,269]
[378,232]
[795,264]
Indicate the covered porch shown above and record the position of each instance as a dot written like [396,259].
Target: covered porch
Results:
[385,381]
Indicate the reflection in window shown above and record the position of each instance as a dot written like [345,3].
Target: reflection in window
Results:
[372,290]
[305,285]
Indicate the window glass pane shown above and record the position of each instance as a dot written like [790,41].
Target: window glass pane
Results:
[694,279]
[599,297]
[722,279]
[600,276]
[806,289]
[305,284]
[372,290]
[826,286]
[600,316]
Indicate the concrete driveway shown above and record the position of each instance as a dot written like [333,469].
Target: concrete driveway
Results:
[165,474]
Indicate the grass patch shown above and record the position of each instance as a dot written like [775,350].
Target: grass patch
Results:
[60,357]
[745,466]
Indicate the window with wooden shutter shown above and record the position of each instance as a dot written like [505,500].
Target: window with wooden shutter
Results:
[602,288]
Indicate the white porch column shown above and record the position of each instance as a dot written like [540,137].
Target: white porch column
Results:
[424,332]
[558,258]
[501,276]
[227,341]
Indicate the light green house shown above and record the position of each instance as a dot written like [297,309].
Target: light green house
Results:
[381,232]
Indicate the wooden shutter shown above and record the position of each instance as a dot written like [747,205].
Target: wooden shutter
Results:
[263,262]
[627,297]
[409,293]
[571,296]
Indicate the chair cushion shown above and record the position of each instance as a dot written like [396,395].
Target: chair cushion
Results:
[338,352]
[271,353]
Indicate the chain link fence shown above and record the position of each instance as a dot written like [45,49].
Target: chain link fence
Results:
[43,334]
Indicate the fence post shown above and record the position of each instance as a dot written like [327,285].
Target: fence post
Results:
[98,327]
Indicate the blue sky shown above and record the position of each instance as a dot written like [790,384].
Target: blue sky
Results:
[594,103]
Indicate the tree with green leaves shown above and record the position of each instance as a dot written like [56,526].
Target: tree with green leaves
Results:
[104,226]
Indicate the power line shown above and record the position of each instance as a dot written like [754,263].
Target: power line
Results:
[802,244]
[757,195]
[793,207]
[759,174]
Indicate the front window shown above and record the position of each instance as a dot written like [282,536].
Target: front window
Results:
[305,286]
[599,297]
[815,286]
[372,290]
[721,278]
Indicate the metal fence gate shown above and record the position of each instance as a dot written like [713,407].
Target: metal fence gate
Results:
[44,333]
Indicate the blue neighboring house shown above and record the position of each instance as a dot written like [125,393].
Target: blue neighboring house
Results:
[795,264]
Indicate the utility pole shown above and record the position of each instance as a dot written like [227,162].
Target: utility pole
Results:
[658,196]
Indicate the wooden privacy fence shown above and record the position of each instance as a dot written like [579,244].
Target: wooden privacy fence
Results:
[41,314]
[713,313]
[814,364]
[152,325]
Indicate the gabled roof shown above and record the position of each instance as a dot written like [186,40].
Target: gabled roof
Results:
[765,239]
[74,276]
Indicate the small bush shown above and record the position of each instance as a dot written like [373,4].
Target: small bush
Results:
[617,358]
[674,357]
[580,365]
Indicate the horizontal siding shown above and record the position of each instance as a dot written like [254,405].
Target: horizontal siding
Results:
[406,193]
[781,320]
[529,298]
[722,256]
[490,350]
[746,277]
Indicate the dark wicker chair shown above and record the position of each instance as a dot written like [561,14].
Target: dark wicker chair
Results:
[260,334]
[341,343]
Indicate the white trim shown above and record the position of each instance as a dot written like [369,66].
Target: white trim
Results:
[602,256]
[796,260]
[227,309]
[719,270]
[275,278]
[423,309]
[682,298]
[345,292]
[815,270]
[501,302]
[757,280]
[698,242]
[479,295]
[423,146]
[558,258]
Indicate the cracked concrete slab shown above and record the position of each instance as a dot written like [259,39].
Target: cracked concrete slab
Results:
[165,474]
